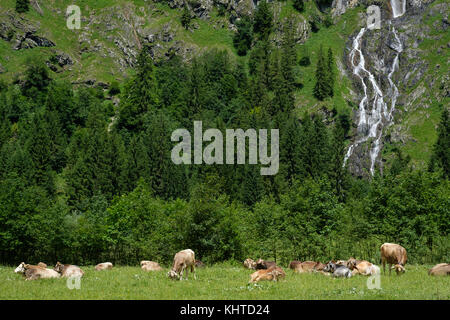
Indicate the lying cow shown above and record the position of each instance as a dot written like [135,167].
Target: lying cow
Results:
[250,264]
[271,274]
[337,270]
[68,270]
[104,266]
[294,264]
[263,264]
[42,265]
[182,261]
[306,266]
[150,266]
[441,269]
[393,254]
[32,272]
[364,268]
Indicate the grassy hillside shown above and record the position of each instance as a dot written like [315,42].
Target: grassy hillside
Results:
[96,55]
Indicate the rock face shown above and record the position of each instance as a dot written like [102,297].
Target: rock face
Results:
[403,79]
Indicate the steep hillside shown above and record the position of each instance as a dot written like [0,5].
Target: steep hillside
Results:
[113,32]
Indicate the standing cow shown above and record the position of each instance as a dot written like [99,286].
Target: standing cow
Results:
[181,262]
[393,254]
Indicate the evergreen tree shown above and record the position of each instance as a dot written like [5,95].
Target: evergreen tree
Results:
[321,88]
[263,20]
[243,38]
[299,5]
[22,6]
[441,149]
[330,73]
[139,94]
[186,17]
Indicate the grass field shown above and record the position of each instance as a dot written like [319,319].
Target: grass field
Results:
[223,282]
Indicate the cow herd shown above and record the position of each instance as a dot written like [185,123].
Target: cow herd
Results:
[392,254]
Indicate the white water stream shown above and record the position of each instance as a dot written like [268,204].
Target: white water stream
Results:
[370,124]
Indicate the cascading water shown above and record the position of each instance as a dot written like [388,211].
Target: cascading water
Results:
[398,7]
[371,121]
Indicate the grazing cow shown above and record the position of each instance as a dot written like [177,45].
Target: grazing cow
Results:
[393,254]
[104,266]
[249,264]
[337,270]
[263,264]
[150,266]
[271,274]
[440,269]
[199,264]
[181,262]
[364,268]
[68,270]
[32,272]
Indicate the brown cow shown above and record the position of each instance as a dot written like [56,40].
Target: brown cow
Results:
[440,269]
[181,262]
[263,264]
[294,264]
[306,266]
[68,270]
[249,264]
[364,268]
[103,266]
[150,266]
[393,254]
[42,265]
[271,274]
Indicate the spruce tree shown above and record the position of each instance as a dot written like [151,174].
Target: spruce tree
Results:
[299,5]
[244,36]
[330,73]
[441,149]
[22,6]
[186,17]
[321,88]
[139,94]
[263,21]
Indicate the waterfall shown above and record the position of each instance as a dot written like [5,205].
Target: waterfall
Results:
[398,7]
[370,124]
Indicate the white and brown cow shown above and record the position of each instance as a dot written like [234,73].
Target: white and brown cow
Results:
[32,272]
[364,268]
[250,264]
[68,270]
[181,262]
[104,266]
[393,254]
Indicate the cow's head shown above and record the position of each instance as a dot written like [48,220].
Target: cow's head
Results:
[330,267]
[351,263]
[172,274]
[399,269]
[20,268]
[59,267]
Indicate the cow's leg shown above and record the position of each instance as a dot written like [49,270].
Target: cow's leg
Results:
[193,271]
[384,266]
[390,268]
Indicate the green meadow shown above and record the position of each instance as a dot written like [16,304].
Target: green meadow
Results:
[225,282]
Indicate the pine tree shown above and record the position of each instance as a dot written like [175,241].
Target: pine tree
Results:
[186,17]
[263,21]
[299,5]
[244,36]
[330,73]
[321,89]
[22,6]
[441,149]
[139,94]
